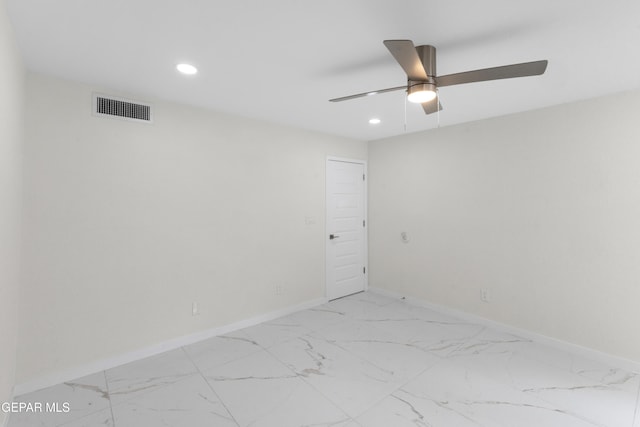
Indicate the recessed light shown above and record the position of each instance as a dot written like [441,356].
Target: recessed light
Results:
[187,69]
[374,121]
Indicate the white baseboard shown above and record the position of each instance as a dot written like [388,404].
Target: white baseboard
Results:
[112,362]
[578,350]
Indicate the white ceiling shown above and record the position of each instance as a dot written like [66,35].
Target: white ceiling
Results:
[281,60]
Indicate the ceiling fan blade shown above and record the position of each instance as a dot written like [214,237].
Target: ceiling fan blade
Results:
[496,73]
[405,53]
[432,106]
[373,92]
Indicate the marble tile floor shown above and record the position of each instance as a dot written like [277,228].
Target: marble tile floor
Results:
[362,361]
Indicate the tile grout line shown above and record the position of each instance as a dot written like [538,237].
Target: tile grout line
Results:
[361,358]
[400,386]
[106,382]
[266,349]
[210,386]
[367,361]
[315,332]
[302,378]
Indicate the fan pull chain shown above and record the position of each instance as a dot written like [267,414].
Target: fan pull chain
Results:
[405,114]
[438,105]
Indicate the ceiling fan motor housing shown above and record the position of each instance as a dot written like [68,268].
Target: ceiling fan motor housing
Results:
[427,54]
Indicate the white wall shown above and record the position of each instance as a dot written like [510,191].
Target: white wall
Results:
[541,208]
[127,224]
[11,103]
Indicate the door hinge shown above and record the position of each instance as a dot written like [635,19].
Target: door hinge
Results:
[363,223]
[363,177]
[364,270]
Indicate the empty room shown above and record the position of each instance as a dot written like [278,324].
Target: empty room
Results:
[341,213]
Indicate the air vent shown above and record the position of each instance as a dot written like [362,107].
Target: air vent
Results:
[119,108]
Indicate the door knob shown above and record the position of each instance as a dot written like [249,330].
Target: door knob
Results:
[333,236]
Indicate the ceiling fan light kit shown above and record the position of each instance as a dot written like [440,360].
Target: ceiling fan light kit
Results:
[419,63]
[419,93]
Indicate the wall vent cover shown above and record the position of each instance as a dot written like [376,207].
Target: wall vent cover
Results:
[120,108]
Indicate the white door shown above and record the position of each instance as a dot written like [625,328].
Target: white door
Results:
[346,237]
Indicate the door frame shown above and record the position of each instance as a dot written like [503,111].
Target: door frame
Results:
[326,218]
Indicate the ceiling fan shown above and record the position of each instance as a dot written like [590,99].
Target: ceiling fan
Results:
[422,82]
